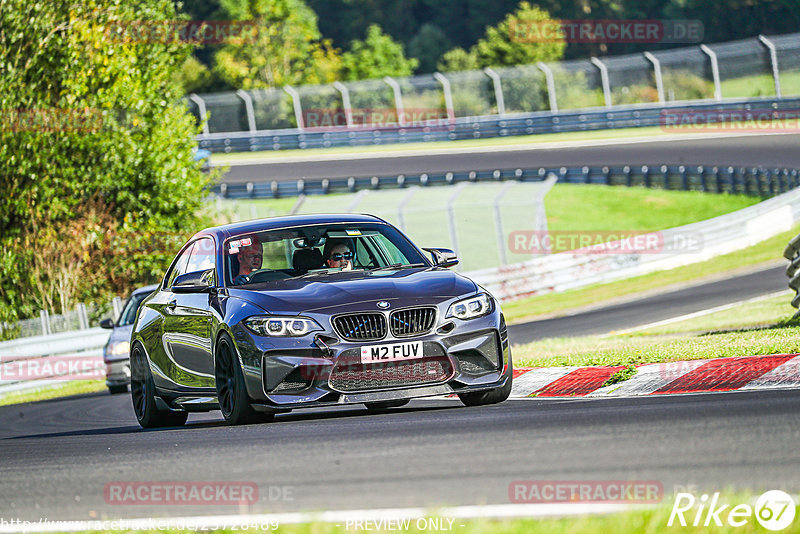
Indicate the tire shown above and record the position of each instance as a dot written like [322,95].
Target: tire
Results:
[385,405]
[493,396]
[143,395]
[116,390]
[234,403]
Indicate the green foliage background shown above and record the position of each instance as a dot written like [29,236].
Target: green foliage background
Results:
[95,196]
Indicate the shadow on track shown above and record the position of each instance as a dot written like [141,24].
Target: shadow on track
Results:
[309,415]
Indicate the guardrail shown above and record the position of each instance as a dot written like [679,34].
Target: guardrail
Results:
[41,360]
[710,178]
[489,126]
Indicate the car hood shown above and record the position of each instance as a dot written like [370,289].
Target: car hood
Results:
[120,333]
[327,292]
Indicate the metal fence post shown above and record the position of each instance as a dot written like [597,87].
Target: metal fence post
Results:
[448,95]
[714,70]
[657,71]
[201,109]
[401,216]
[498,223]
[604,80]
[116,306]
[45,318]
[773,58]
[83,317]
[551,85]
[248,106]
[451,215]
[348,110]
[296,104]
[398,99]
[498,90]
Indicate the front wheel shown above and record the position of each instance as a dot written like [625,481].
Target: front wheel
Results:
[493,396]
[116,390]
[143,394]
[234,403]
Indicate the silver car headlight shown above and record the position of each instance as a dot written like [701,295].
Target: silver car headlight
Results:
[119,348]
[470,308]
[275,326]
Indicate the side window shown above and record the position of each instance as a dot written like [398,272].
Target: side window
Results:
[179,267]
[203,255]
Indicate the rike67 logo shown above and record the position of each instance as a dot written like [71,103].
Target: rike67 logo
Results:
[774,510]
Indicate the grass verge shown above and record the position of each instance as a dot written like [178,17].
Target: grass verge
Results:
[76,387]
[749,329]
[761,254]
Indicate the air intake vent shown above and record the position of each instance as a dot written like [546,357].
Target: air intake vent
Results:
[361,326]
[412,321]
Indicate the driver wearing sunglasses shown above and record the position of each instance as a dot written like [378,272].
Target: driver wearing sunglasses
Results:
[339,257]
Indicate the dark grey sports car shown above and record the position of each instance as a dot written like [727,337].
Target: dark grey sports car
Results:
[260,317]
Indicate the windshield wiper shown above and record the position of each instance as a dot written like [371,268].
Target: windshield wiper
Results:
[398,266]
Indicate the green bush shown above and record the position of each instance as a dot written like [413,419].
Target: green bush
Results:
[97,151]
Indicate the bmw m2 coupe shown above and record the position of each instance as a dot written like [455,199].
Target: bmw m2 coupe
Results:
[260,317]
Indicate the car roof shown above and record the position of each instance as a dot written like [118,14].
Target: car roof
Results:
[287,221]
[145,289]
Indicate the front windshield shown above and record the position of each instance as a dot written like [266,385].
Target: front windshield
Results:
[316,251]
[128,314]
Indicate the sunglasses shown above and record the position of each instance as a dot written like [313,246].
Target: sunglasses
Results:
[339,257]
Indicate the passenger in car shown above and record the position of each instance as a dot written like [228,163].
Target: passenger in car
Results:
[250,259]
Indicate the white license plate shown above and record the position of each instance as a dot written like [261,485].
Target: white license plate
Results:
[391,353]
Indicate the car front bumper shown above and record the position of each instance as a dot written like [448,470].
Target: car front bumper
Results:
[118,373]
[472,356]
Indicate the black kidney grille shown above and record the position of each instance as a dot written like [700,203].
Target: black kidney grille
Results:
[361,326]
[412,321]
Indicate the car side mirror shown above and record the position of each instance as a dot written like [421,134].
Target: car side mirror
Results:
[194,282]
[107,324]
[442,257]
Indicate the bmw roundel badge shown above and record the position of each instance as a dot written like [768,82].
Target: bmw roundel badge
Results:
[383,304]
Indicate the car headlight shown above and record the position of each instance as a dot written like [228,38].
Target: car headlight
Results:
[281,326]
[471,308]
[120,348]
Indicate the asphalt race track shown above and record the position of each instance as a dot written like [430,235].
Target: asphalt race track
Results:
[58,456]
[654,308]
[753,150]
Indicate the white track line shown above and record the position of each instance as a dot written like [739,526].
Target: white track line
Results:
[266,160]
[697,314]
[340,518]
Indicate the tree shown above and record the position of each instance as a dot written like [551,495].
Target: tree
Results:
[285,49]
[378,55]
[428,46]
[509,42]
[458,59]
[97,150]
